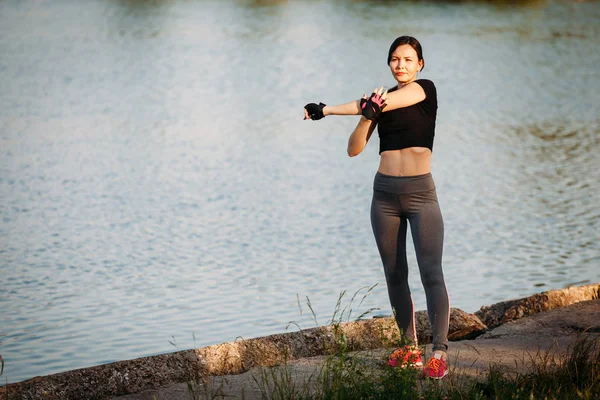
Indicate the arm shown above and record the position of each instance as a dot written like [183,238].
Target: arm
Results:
[360,136]
[405,96]
[317,111]
[352,108]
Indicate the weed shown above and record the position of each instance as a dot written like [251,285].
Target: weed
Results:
[574,376]
[358,375]
[347,374]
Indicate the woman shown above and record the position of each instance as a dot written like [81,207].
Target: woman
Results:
[404,193]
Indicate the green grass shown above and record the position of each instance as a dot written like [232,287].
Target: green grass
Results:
[356,376]
[365,375]
[360,375]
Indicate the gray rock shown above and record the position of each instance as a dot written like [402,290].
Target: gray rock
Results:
[581,317]
[506,311]
[463,326]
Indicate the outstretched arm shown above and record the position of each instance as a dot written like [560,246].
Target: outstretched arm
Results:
[351,108]
[314,111]
[369,107]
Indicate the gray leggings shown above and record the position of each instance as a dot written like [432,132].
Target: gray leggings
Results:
[396,202]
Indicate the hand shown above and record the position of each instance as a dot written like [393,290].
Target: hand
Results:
[314,111]
[372,107]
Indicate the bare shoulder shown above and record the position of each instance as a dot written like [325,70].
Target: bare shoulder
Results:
[420,85]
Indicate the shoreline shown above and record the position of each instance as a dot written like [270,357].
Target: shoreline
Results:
[138,375]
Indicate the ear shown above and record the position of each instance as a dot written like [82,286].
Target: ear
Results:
[420,65]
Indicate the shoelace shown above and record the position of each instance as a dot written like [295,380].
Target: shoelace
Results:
[406,351]
[434,364]
[405,356]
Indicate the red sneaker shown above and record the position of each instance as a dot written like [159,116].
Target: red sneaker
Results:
[436,367]
[407,356]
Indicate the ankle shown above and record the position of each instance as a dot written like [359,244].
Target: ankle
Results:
[442,353]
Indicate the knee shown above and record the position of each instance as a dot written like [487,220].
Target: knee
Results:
[396,275]
[432,278]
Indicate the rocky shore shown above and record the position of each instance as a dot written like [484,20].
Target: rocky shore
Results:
[499,334]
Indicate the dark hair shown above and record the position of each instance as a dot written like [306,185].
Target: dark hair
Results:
[409,40]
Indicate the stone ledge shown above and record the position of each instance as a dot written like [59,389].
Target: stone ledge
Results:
[506,311]
[134,376]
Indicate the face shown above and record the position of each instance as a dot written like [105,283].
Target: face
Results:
[405,64]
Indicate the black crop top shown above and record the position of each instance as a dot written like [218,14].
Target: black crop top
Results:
[412,126]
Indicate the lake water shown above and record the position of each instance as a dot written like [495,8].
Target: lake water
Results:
[158,183]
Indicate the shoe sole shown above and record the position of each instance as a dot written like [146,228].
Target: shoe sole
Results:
[437,377]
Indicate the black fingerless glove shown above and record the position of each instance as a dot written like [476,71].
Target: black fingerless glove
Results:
[371,107]
[315,111]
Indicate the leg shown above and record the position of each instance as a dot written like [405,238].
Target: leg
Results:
[390,235]
[427,229]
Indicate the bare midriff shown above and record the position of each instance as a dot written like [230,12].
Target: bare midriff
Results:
[406,162]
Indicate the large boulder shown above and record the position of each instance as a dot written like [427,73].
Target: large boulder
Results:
[463,326]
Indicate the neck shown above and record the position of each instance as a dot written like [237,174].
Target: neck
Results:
[406,83]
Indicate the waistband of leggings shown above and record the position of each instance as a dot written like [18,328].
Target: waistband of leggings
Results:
[403,184]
